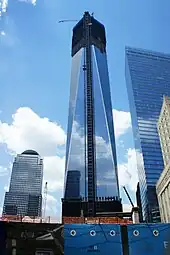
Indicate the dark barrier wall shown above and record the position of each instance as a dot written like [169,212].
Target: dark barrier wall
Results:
[2,239]
[24,238]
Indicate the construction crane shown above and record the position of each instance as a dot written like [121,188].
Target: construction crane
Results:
[128,196]
[67,20]
[72,20]
[135,209]
[45,199]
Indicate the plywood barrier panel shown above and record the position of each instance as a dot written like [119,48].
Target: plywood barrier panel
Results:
[103,239]
[149,239]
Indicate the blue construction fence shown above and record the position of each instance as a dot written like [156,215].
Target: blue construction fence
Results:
[114,239]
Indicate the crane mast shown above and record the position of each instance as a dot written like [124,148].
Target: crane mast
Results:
[130,200]
[45,199]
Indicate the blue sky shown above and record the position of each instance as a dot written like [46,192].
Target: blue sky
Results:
[35,65]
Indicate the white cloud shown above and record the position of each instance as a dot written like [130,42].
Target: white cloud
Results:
[122,122]
[128,175]
[28,130]
[3,6]
[3,9]
[3,171]
[127,207]
[2,33]
[53,209]
[54,172]
[106,181]
[103,149]
[6,188]
[29,1]
[51,205]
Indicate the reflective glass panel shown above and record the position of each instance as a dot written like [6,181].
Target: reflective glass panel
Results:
[148,80]
[76,177]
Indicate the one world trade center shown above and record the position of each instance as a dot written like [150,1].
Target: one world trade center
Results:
[91,176]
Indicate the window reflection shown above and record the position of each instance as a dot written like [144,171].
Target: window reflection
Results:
[106,165]
[148,79]
[105,161]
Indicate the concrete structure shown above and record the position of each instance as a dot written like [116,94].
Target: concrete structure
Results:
[164,129]
[163,184]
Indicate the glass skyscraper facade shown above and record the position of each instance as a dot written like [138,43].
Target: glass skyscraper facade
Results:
[148,80]
[90,120]
[25,192]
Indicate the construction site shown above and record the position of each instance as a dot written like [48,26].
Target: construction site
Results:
[92,220]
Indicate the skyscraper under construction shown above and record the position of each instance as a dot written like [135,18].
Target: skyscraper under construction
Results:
[91,177]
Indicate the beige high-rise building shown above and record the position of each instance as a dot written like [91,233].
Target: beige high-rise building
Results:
[163,184]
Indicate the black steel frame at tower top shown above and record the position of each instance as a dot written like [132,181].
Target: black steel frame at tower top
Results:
[89,119]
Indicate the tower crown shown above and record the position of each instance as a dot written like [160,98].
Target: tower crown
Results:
[97,34]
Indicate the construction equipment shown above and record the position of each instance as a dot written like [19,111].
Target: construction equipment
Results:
[67,20]
[135,209]
[45,200]
[128,196]
[72,20]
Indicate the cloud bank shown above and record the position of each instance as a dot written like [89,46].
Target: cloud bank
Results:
[28,130]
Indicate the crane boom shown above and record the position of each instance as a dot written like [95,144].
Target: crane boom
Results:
[67,20]
[128,196]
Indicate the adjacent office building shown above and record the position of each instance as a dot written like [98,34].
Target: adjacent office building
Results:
[90,149]
[25,192]
[148,79]
[163,184]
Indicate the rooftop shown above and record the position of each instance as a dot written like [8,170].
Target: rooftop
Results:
[30,152]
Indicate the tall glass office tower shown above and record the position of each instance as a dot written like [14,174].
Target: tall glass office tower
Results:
[91,166]
[25,192]
[148,79]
